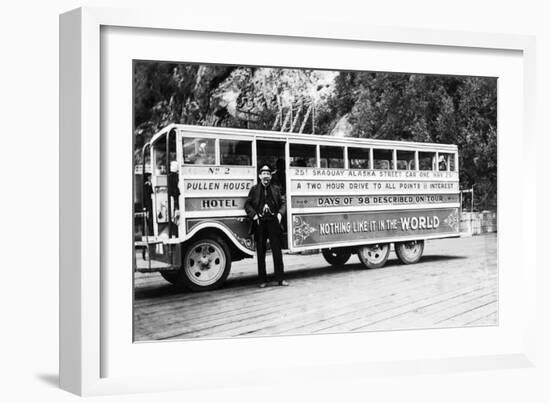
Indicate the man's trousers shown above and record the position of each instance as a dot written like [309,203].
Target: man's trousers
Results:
[269,229]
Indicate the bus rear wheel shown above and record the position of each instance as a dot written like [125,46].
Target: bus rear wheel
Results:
[409,252]
[170,276]
[374,256]
[336,256]
[206,263]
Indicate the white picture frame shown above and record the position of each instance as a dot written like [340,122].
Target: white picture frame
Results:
[86,332]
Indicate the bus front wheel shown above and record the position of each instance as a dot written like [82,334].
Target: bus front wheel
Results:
[336,256]
[170,276]
[374,256]
[409,252]
[206,264]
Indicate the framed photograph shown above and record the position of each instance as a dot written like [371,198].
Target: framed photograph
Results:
[312,199]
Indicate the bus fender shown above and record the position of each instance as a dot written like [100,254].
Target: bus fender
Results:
[229,234]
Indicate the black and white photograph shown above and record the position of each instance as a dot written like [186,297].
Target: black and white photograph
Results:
[274,201]
[291,201]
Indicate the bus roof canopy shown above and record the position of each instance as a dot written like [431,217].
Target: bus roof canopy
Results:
[297,137]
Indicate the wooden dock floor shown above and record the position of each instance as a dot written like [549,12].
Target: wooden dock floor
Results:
[454,285]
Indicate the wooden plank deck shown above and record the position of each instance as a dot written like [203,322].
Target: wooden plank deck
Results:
[454,285]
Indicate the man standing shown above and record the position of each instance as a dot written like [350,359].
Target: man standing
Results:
[266,207]
[148,203]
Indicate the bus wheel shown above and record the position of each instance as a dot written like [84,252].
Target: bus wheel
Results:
[336,256]
[206,264]
[374,256]
[409,252]
[170,276]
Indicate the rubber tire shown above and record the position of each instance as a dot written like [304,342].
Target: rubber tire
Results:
[370,265]
[403,258]
[170,276]
[336,256]
[184,282]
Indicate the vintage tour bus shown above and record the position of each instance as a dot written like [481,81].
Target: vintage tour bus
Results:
[344,196]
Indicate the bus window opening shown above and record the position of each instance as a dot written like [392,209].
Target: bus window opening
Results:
[199,151]
[405,160]
[426,161]
[332,157]
[358,158]
[303,155]
[235,152]
[446,162]
[383,159]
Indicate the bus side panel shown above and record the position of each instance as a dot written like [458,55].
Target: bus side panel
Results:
[327,229]
[235,227]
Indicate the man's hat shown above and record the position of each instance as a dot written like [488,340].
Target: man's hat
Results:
[265,168]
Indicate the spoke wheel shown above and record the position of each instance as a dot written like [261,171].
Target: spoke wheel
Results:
[409,252]
[374,256]
[336,256]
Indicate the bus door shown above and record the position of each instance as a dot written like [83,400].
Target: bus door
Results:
[165,180]
[272,153]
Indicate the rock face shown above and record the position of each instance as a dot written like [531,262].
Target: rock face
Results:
[343,127]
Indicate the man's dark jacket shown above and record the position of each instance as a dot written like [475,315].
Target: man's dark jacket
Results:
[252,205]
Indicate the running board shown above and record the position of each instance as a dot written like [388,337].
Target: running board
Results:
[152,265]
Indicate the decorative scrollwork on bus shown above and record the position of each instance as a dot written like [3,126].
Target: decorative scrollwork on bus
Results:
[452,220]
[301,230]
[237,227]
